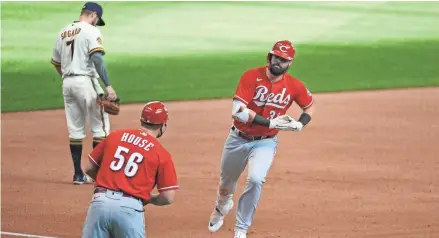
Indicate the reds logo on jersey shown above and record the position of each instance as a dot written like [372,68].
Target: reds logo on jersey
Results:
[262,97]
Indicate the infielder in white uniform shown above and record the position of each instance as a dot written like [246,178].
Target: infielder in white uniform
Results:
[78,59]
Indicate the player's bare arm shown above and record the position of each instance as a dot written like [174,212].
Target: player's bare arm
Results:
[163,198]
[58,69]
[56,59]
[98,60]
[241,113]
[91,170]
[306,115]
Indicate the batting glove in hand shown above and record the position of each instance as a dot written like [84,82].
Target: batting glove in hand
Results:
[295,126]
[280,122]
[285,123]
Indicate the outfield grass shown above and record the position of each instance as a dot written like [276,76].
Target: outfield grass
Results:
[178,51]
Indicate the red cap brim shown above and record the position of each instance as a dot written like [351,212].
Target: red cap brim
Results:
[281,54]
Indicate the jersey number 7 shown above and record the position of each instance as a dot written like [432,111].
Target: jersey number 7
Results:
[71,43]
[131,166]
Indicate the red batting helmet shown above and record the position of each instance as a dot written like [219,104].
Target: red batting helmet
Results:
[154,113]
[284,49]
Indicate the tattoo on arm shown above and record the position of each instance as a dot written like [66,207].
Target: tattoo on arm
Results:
[98,60]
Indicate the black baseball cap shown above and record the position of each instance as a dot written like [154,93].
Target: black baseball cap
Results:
[94,7]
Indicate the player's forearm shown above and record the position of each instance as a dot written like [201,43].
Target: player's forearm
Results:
[91,170]
[259,120]
[98,61]
[310,110]
[158,200]
[92,174]
[242,113]
[58,69]
[306,115]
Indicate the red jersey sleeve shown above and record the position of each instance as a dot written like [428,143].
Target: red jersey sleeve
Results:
[98,153]
[246,88]
[303,97]
[166,175]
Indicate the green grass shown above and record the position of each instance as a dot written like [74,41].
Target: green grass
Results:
[194,50]
[322,67]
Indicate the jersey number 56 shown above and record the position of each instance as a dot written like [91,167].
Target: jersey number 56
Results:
[131,167]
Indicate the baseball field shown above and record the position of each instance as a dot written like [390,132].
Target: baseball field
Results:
[366,166]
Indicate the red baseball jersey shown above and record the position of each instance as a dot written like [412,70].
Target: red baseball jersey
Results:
[268,99]
[133,162]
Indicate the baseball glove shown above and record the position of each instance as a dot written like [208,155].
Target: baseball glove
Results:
[111,107]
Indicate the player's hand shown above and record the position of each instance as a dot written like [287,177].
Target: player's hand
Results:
[111,93]
[285,123]
[294,126]
[279,122]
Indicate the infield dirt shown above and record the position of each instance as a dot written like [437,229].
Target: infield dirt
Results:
[367,166]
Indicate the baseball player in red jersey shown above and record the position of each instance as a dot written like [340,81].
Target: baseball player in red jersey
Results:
[262,98]
[126,166]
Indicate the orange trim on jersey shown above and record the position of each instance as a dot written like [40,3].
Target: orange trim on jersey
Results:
[55,63]
[309,105]
[92,160]
[96,50]
[168,188]
[240,99]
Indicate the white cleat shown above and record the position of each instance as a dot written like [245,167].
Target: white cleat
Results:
[240,234]
[217,217]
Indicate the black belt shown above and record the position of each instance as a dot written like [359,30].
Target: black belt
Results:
[103,190]
[74,75]
[250,137]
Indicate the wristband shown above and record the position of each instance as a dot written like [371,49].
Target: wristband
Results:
[305,118]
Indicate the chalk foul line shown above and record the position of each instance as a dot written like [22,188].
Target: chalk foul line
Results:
[23,235]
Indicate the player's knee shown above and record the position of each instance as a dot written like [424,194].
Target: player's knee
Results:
[255,180]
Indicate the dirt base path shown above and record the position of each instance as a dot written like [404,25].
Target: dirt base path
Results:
[367,166]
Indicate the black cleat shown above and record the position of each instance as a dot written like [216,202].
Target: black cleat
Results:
[80,179]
